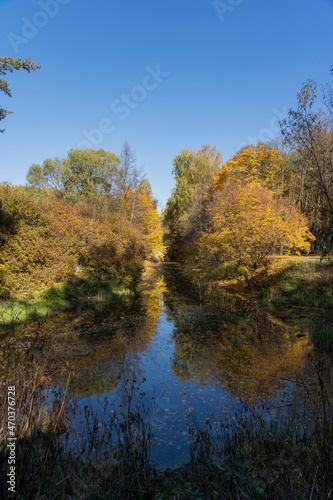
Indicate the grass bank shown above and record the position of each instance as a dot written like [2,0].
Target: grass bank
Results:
[298,290]
[286,281]
[59,297]
[296,281]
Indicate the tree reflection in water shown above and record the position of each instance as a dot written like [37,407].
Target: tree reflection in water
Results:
[166,352]
[245,352]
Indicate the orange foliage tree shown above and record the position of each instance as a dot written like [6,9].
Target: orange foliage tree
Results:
[45,240]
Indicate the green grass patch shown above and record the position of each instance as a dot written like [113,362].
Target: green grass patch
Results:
[298,281]
[61,296]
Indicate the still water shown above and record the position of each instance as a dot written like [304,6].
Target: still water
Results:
[181,355]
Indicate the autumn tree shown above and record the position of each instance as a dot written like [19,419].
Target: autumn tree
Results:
[7,64]
[145,216]
[108,188]
[261,163]
[248,223]
[50,240]
[309,134]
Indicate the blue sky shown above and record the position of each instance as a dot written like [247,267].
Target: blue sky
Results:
[164,75]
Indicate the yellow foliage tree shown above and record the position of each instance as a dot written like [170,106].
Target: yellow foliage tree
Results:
[256,164]
[248,223]
[142,213]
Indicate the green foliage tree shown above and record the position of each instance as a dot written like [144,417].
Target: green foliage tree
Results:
[194,173]
[90,172]
[9,64]
[50,175]
[83,174]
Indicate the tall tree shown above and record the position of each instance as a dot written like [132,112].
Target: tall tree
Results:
[145,217]
[328,95]
[83,174]
[9,64]
[260,163]
[129,178]
[309,134]
[194,173]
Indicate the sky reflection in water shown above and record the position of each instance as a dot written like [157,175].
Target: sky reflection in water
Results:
[185,356]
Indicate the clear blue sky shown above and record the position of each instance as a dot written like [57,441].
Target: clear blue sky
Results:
[224,76]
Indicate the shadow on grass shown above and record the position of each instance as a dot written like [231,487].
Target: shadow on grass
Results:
[14,312]
[304,283]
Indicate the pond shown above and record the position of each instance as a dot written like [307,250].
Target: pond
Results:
[176,356]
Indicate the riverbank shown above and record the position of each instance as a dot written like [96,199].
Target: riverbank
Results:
[286,281]
[55,251]
[60,297]
[295,289]
[297,281]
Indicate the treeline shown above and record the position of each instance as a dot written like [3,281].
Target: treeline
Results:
[91,216]
[267,199]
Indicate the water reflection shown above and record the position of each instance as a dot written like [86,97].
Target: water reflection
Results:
[248,366]
[184,355]
[213,346]
[94,341]
[231,348]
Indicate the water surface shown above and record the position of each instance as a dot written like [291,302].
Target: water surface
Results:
[178,355]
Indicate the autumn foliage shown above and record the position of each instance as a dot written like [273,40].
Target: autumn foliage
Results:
[45,241]
[89,217]
[255,164]
[237,214]
[248,223]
